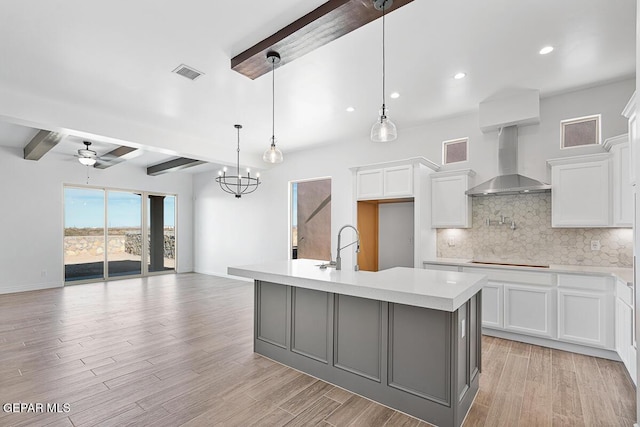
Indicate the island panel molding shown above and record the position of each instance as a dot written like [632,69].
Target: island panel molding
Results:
[358,336]
[409,373]
[272,327]
[310,338]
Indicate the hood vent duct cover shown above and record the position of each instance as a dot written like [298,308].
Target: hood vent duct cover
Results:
[508,180]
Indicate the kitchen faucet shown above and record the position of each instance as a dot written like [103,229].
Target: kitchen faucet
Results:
[356,242]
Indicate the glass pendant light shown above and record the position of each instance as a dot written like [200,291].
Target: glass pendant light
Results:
[383,130]
[273,155]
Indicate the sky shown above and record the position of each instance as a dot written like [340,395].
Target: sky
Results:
[85,208]
[294,204]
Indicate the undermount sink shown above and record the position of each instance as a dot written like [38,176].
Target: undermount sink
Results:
[510,264]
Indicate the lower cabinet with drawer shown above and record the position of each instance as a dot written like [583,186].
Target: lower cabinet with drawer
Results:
[585,317]
[625,345]
[493,305]
[529,310]
[573,312]
[586,310]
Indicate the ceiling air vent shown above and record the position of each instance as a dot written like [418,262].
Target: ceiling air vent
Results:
[188,72]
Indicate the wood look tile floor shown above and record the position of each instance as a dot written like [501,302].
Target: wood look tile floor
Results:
[176,350]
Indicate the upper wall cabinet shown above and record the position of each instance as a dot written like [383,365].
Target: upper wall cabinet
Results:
[385,183]
[630,113]
[370,184]
[581,191]
[388,180]
[450,206]
[397,181]
[622,188]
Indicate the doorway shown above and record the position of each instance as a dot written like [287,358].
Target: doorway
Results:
[386,233]
[311,219]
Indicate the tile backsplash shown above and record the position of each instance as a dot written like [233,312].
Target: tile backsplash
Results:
[533,241]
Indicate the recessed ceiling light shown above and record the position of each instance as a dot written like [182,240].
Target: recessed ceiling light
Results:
[350,109]
[546,49]
[460,75]
[395,95]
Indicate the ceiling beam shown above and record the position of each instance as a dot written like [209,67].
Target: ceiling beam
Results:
[173,166]
[325,24]
[116,156]
[41,144]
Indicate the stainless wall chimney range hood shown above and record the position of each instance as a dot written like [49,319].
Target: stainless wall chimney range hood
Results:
[508,180]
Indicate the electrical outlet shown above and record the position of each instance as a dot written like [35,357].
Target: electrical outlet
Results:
[595,245]
[43,273]
[451,241]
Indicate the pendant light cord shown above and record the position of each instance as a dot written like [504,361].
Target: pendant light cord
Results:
[273,101]
[238,152]
[384,3]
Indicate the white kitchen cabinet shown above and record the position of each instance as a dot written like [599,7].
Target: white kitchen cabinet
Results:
[581,191]
[621,182]
[370,184]
[492,305]
[584,317]
[624,327]
[396,181]
[450,206]
[634,151]
[529,309]
[623,331]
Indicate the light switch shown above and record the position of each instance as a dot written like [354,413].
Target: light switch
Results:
[595,245]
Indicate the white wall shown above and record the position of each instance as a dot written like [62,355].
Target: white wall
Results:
[31,213]
[254,229]
[395,235]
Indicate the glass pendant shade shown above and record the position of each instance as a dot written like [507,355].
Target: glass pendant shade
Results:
[273,155]
[383,130]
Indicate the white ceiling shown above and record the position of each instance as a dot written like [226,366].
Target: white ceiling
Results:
[115,59]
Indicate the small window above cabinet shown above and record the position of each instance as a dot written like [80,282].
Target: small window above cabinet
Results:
[450,206]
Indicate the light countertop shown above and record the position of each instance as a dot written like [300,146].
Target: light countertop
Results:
[440,290]
[624,274]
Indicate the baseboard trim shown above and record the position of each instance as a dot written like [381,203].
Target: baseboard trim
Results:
[558,345]
[29,287]
[225,276]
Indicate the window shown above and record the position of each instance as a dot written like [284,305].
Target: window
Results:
[311,219]
[455,150]
[580,131]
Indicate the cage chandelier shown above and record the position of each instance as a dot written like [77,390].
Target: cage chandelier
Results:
[238,184]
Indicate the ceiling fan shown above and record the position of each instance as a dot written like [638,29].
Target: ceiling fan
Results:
[86,156]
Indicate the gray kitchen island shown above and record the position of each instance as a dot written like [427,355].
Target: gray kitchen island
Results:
[407,338]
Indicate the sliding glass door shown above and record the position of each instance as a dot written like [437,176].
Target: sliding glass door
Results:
[113,233]
[124,233]
[84,240]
